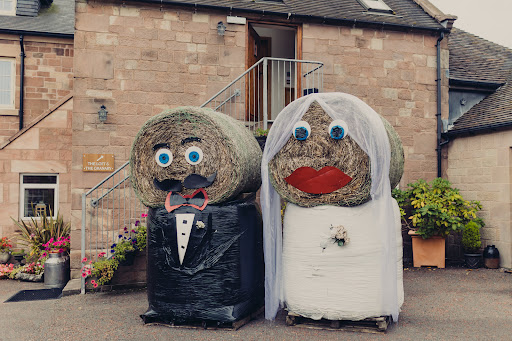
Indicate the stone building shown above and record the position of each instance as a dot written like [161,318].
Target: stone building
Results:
[479,135]
[36,84]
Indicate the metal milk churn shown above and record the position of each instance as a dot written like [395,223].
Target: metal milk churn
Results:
[57,270]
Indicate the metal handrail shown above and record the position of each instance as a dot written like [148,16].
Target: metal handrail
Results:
[262,60]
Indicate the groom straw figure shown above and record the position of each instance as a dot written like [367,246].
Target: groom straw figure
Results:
[190,166]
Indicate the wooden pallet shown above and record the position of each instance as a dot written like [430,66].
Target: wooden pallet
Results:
[376,325]
[202,324]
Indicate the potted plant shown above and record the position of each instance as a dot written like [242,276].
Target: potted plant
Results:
[18,255]
[261,136]
[471,243]
[5,250]
[40,230]
[432,211]
[101,272]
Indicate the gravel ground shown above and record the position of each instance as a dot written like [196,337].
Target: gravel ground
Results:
[440,304]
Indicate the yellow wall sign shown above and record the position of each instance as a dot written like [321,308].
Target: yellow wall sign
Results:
[98,162]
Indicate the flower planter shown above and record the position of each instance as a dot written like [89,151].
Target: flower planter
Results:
[473,260]
[428,252]
[4,257]
[129,258]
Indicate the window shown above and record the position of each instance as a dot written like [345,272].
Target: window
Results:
[7,67]
[7,7]
[376,6]
[38,192]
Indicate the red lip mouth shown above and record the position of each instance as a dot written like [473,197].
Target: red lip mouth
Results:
[326,180]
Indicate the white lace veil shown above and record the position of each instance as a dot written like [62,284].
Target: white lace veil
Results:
[366,128]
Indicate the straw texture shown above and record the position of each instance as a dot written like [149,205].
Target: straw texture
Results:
[229,149]
[320,150]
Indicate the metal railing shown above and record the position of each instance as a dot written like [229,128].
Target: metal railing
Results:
[107,209]
[258,95]
[267,87]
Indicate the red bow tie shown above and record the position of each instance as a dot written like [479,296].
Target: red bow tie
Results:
[198,200]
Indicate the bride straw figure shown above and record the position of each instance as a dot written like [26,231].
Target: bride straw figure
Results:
[334,160]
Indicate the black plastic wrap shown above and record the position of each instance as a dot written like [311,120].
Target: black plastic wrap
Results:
[221,278]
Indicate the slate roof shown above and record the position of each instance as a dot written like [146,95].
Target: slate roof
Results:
[408,12]
[57,20]
[475,59]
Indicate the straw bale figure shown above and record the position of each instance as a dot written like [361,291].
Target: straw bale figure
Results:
[334,160]
[196,169]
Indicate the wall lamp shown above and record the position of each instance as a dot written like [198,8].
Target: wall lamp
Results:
[221,28]
[102,114]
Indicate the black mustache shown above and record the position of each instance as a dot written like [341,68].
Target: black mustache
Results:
[193,181]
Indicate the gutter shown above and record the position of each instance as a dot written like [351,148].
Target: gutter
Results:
[39,34]
[495,126]
[438,114]
[22,77]
[324,20]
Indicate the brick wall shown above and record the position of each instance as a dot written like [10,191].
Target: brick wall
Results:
[480,166]
[48,77]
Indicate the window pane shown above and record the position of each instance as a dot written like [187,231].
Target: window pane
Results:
[39,179]
[5,81]
[38,196]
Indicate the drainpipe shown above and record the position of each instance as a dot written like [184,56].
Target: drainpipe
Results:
[438,115]
[22,76]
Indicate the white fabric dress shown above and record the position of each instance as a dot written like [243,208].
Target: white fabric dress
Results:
[324,280]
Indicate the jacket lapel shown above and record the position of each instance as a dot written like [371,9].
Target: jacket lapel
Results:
[199,240]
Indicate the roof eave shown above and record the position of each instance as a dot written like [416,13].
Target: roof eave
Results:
[324,20]
[37,33]
[474,130]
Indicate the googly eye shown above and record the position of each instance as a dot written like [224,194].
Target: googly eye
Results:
[301,130]
[194,155]
[163,157]
[338,129]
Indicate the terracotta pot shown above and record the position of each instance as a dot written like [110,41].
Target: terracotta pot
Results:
[428,252]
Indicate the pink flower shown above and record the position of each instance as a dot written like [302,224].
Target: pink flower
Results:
[84,259]
[84,274]
[93,281]
[95,285]
[144,215]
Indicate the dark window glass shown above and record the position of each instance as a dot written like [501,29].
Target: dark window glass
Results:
[35,198]
[39,179]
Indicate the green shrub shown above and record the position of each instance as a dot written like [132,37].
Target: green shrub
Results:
[471,237]
[435,208]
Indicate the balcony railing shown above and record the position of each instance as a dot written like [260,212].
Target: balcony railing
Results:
[258,95]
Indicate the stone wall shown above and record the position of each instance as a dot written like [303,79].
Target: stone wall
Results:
[48,77]
[480,166]
[43,147]
[395,73]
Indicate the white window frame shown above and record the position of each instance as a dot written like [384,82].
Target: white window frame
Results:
[12,11]
[23,187]
[376,6]
[13,82]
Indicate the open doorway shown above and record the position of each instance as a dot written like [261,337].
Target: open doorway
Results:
[263,103]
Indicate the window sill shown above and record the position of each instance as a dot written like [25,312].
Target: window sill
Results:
[8,112]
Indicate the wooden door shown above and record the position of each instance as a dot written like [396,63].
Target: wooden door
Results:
[253,81]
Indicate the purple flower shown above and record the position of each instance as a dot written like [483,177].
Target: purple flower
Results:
[137,223]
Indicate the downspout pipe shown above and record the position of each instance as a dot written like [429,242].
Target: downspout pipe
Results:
[438,114]
[22,77]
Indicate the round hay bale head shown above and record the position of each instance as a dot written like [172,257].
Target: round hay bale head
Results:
[396,166]
[177,143]
[321,151]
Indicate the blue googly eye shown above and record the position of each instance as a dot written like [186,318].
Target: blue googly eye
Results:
[301,130]
[194,155]
[163,157]
[338,129]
